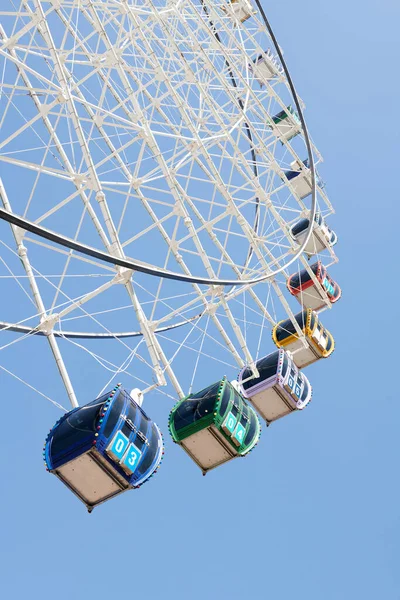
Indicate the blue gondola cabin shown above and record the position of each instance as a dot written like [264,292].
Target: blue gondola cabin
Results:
[279,389]
[104,448]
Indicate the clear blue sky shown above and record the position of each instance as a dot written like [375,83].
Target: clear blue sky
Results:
[313,514]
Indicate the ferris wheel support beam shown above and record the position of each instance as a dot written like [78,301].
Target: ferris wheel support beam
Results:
[58,144]
[181,196]
[151,343]
[23,254]
[241,221]
[247,230]
[241,289]
[209,307]
[61,75]
[250,92]
[154,348]
[127,263]
[281,297]
[260,192]
[89,296]
[115,247]
[174,186]
[154,345]
[237,282]
[309,232]
[303,124]
[302,120]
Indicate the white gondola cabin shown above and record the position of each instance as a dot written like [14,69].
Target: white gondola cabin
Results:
[322,236]
[287,124]
[265,67]
[279,389]
[239,9]
[310,295]
[300,178]
[319,342]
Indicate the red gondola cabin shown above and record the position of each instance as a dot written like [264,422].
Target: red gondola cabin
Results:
[303,287]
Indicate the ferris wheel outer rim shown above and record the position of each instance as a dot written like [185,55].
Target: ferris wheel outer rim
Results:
[131,264]
[15,328]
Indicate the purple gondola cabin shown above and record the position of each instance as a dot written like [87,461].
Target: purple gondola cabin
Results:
[280,388]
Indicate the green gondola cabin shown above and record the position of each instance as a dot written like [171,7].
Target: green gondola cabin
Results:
[287,124]
[214,425]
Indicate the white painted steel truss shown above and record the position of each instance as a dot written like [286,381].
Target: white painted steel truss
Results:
[146,128]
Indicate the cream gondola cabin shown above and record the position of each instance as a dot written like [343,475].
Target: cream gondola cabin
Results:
[239,9]
[319,342]
[214,425]
[322,236]
[279,389]
[303,287]
[287,124]
[265,67]
[300,178]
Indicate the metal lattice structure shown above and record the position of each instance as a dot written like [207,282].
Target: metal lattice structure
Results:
[146,144]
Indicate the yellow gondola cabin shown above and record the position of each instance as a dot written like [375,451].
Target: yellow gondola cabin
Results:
[319,342]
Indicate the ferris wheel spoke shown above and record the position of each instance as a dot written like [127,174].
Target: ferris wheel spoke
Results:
[211,273]
[210,309]
[33,388]
[206,304]
[238,73]
[63,78]
[66,266]
[155,346]
[60,173]
[23,254]
[47,325]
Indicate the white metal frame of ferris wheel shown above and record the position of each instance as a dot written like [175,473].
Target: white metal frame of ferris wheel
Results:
[68,94]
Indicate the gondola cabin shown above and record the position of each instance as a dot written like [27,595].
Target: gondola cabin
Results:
[265,67]
[300,179]
[303,287]
[214,425]
[319,342]
[239,9]
[279,389]
[104,448]
[287,123]
[321,238]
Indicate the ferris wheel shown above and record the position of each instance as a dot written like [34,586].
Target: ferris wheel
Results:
[162,223]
